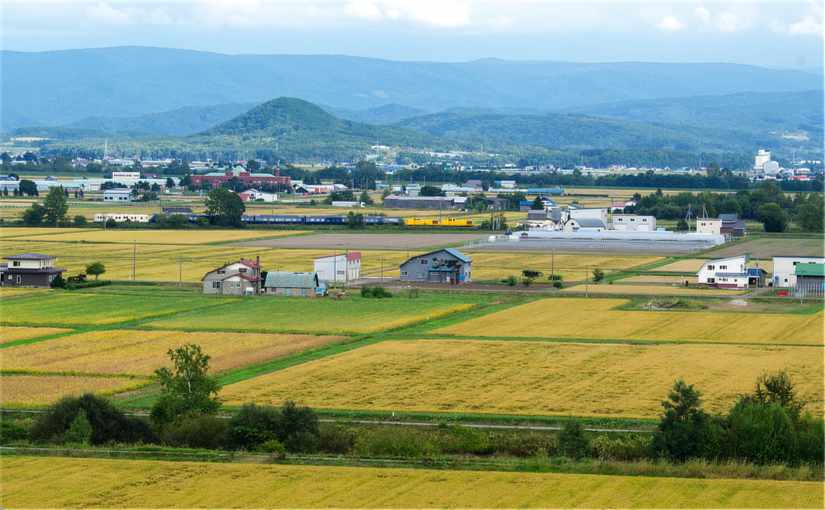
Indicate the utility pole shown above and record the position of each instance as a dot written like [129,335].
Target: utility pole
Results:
[180,271]
[134,255]
[382,269]
[553,263]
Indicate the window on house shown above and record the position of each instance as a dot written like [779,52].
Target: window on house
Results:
[723,267]
[423,261]
[711,267]
[216,285]
[403,273]
[15,263]
[242,270]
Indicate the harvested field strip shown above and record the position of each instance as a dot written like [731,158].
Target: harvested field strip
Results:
[141,352]
[13,232]
[529,378]
[620,288]
[83,307]
[157,236]
[599,318]
[12,334]
[19,390]
[160,484]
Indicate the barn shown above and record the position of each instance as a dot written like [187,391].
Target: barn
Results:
[447,265]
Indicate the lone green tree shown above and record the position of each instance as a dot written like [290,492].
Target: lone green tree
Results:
[598,275]
[773,217]
[28,187]
[56,206]
[186,388]
[538,204]
[95,269]
[683,424]
[34,215]
[224,207]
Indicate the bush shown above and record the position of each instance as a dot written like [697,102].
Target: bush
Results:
[394,442]
[336,439]
[108,423]
[375,292]
[598,275]
[253,426]
[197,431]
[274,447]
[572,441]
[79,220]
[80,431]
[761,433]
[557,284]
[555,278]
[528,444]
[621,448]
[11,431]
[58,283]
[464,440]
[510,280]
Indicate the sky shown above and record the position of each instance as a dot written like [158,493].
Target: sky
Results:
[785,34]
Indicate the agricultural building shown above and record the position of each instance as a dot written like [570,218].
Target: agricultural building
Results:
[584,225]
[810,280]
[441,266]
[283,283]
[29,270]
[731,225]
[241,278]
[634,223]
[784,269]
[416,202]
[215,179]
[117,195]
[345,267]
[253,195]
[709,226]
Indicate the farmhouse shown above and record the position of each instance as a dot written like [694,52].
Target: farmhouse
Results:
[731,272]
[732,225]
[810,280]
[441,266]
[345,267]
[29,270]
[241,278]
[283,283]
[784,269]
[709,226]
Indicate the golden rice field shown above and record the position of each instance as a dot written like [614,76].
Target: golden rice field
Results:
[693,265]
[25,232]
[488,265]
[99,483]
[11,334]
[164,236]
[529,378]
[658,279]
[598,319]
[141,352]
[41,390]
[651,289]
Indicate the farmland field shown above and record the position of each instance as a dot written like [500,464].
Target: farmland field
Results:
[767,247]
[651,290]
[97,307]
[352,314]
[11,334]
[491,265]
[40,390]
[26,232]
[141,352]
[529,378]
[157,236]
[599,319]
[158,484]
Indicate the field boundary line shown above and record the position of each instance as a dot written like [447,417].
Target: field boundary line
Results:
[591,341]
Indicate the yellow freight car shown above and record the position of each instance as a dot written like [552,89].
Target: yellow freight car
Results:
[439,222]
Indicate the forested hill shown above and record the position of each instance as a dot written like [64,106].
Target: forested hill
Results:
[59,87]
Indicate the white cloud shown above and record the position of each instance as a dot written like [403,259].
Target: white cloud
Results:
[703,14]
[439,13]
[670,24]
[808,25]
[103,12]
[730,22]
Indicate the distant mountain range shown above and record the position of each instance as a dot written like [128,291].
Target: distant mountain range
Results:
[64,87]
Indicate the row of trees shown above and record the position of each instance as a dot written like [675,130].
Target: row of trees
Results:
[767,203]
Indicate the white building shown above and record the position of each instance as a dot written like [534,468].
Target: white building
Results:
[709,226]
[122,217]
[125,178]
[784,269]
[762,157]
[413,190]
[339,268]
[728,272]
[252,195]
[347,204]
[117,195]
[584,225]
[589,212]
[634,223]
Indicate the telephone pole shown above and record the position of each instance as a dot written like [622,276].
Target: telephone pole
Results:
[134,256]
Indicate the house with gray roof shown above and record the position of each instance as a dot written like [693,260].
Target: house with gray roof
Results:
[447,265]
[285,283]
[240,278]
[29,270]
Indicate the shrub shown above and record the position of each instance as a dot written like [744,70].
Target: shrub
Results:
[375,292]
[598,275]
[464,440]
[761,433]
[11,431]
[336,439]
[572,441]
[196,431]
[299,429]
[621,448]
[527,444]
[557,284]
[555,277]
[80,430]
[58,283]
[274,447]
[510,280]
[79,220]
[108,423]
[394,442]
[253,426]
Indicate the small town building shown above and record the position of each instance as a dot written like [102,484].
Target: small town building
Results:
[709,226]
[241,278]
[584,225]
[595,213]
[122,217]
[344,267]
[215,179]
[731,225]
[810,280]
[447,265]
[634,223]
[348,204]
[784,269]
[117,195]
[253,195]
[283,283]
[29,270]
[405,202]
